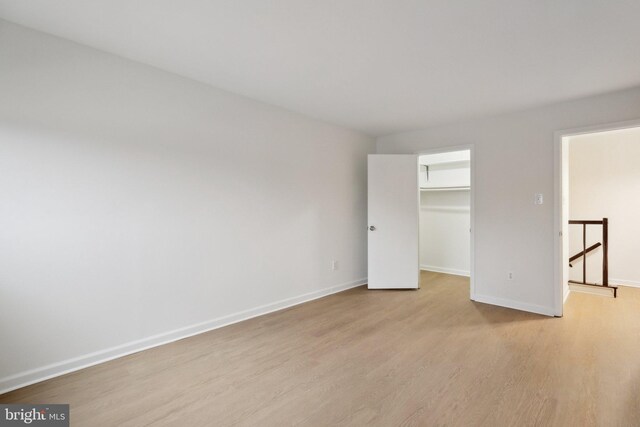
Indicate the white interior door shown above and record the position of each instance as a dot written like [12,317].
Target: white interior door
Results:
[394,202]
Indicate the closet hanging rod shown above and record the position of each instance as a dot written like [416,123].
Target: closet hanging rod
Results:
[444,188]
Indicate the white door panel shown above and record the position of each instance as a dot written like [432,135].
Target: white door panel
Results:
[393,199]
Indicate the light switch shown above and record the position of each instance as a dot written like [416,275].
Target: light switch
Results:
[539,199]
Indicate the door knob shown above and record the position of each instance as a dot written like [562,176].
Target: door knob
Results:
[372,228]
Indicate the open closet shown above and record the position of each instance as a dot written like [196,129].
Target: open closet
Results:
[445,212]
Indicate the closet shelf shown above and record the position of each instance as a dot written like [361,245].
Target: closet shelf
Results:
[444,163]
[444,188]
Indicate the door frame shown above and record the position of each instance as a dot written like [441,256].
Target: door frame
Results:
[472,219]
[561,230]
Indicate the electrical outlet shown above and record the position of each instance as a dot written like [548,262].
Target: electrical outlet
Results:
[334,265]
[510,275]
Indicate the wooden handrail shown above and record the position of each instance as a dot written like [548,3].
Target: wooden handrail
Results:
[581,253]
[587,222]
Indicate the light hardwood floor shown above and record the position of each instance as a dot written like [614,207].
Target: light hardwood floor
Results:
[426,357]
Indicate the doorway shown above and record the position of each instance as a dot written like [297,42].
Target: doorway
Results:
[597,181]
[445,214]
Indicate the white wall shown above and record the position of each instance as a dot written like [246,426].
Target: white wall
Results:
[137,206]
[513,160]
[604,182]
[444,231]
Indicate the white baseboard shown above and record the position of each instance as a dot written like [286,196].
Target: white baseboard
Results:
[621,282]
[567,291]
[32,376]
[445,270]
[516,305]
[593,290]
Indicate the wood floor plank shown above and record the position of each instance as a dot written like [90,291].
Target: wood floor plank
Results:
[410,358]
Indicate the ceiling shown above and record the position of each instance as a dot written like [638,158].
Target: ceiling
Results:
[378,66]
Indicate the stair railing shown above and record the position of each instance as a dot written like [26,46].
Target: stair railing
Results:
[583,254]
